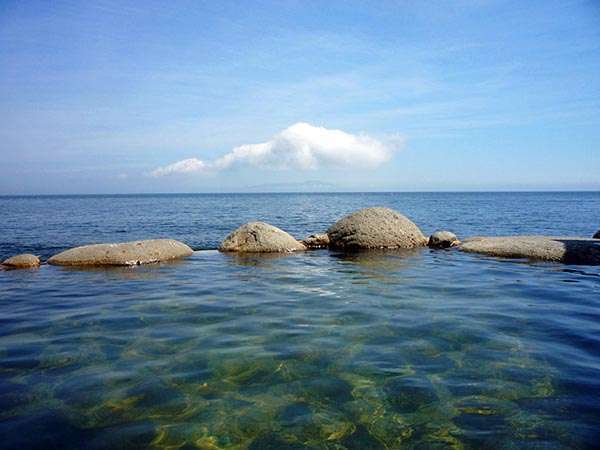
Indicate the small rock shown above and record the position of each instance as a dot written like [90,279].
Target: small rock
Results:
[568,250]
[443,239]
[597,235]
[260,237]
[24,261]
[373,228]
[122,254]
[315,241]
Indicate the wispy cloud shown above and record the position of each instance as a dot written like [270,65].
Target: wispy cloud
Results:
[301,146]
[185,166]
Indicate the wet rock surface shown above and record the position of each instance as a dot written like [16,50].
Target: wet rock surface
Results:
[443,239]
[24,261]
[567,250]
[377,227]
[316,241]
[260,237]
[123,254]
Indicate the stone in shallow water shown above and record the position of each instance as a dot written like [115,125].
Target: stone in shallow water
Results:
[294,412]
[122,254]
[481,422]
[260,237]
[361,439]
[568,250]
[597,235]
[334,390]
[372,228]
[23,261]
[272,441]
[316,241]
[443,239]
[408,394]
[313,423]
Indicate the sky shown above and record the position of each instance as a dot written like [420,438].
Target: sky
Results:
[218,96]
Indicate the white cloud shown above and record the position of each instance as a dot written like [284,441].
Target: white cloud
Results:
[301,146]
[185,166]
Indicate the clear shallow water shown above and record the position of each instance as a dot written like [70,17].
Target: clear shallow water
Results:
[317,350]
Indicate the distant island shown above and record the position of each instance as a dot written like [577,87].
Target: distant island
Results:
[305,186]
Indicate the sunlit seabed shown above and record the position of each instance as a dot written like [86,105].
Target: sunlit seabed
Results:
[315,350]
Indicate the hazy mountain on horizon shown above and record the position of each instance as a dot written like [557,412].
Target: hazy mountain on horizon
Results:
[304,186]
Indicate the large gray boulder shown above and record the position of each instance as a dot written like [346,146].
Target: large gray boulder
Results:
[23,261]
[568,250]
[122,254]
[597,235]
[260,237]
[377,227]
[442,239]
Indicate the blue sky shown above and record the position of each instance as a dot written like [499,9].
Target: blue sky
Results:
[110,96]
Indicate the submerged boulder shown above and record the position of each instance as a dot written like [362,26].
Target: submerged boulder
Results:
[260,237]
[23,261]
[568,250]
[122,254]
[315,241]
[377,227]
[443,239]
[597,235]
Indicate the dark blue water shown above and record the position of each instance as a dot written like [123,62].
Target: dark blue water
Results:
[46,225]
[426,349]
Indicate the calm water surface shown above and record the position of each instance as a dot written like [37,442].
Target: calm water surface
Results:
[425,349]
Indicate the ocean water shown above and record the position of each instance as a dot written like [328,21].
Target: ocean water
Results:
[374,350]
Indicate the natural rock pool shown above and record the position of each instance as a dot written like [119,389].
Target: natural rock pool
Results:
[431,349]
[320,349]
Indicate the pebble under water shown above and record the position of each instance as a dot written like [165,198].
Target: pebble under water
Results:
[375,350]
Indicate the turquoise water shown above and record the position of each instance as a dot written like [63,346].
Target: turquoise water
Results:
[423,349]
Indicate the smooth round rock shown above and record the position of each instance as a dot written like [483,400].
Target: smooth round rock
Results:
[443,239]
[23,261]
[260,237]
[316,241]
[123,254]
[597,235]
[568,250]
[372,228]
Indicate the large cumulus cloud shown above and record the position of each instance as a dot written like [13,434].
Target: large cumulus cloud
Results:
[301,146]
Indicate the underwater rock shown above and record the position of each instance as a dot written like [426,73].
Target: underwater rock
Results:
[23,261]
[597,235]
[568,250]
[443,239]
[361,439]
[408,394]
[272,441]
[260,237]
[377,227]
[315,241]
[122,254]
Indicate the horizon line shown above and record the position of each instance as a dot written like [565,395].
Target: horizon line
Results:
[458,191]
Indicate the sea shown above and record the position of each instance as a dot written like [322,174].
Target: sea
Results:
[428,349]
